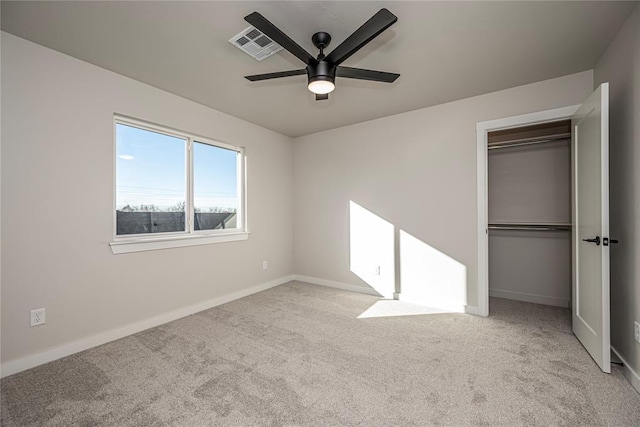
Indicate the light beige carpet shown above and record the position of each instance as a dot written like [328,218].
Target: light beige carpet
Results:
[299,355]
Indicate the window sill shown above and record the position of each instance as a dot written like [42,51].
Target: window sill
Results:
[151,244]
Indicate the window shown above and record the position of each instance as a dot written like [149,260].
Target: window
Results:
[174,187]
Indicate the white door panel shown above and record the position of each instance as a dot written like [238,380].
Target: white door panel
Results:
[590,293]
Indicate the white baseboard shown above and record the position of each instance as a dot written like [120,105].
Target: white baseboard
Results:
[28,362]
[536,299]
[628,372]
[472,309]
[337,285]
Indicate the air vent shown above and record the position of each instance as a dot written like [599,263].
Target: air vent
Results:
[255,44]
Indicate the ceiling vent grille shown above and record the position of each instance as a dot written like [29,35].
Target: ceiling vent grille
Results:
[255,44]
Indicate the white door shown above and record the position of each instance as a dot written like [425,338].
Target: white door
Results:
[590,290]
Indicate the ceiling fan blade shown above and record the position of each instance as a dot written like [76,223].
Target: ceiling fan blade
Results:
[362,74]
[267,76]
[322,97]
[263,24]
[363,35]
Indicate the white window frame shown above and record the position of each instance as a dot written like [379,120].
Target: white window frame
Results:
[189,237]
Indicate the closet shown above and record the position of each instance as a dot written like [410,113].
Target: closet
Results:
[529,189]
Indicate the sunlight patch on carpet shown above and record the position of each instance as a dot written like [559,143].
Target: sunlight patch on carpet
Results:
[391,308]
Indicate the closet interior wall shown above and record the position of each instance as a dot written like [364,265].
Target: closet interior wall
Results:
[529,172]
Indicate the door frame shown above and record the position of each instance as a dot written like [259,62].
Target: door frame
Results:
[482,131]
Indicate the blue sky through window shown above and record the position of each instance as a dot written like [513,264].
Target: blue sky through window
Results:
[214,178]
[151,170]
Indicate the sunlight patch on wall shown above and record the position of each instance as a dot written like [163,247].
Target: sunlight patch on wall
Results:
[430,277]
[372,249]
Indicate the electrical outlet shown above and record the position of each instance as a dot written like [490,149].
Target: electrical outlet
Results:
[37,317]
[377,270]
[265,265]
[636,331]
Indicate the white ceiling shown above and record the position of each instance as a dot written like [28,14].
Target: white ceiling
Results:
[443,50]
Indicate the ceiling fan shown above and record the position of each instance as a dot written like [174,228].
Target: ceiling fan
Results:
[322,71]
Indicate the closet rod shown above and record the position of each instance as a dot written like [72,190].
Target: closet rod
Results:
[530,227]
[528,141]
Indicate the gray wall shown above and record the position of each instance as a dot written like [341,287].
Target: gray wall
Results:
[415,171]
[57,157]
[530,185]
[620,66]
[532,266]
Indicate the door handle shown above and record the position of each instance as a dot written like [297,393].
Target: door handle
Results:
[596,240]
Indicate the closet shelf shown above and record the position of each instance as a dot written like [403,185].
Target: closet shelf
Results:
[529,141]
[530,226]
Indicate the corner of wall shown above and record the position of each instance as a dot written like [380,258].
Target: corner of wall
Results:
[620,66]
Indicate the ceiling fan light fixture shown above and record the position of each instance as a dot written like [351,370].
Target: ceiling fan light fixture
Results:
[321,85]
[322,70]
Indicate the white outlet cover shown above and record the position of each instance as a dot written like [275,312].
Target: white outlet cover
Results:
[38,317]
[636,331]
[265,265]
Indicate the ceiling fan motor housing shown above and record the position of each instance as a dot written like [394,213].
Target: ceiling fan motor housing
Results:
[321,70]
